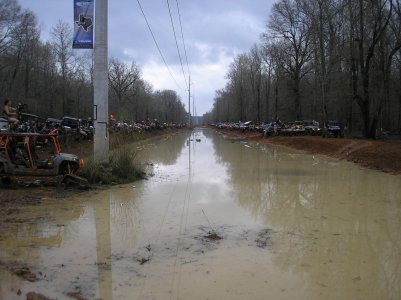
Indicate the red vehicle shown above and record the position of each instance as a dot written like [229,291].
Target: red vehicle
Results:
[38,155]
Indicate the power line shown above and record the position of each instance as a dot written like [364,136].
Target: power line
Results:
[182,35]
[176,42]
[158,48]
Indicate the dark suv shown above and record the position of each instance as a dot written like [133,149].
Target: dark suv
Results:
[333,129]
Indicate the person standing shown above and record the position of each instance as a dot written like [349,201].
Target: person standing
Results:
[10,112]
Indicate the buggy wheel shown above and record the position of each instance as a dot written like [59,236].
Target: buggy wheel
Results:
[67,168]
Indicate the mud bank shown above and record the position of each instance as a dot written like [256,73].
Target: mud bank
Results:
[378,155]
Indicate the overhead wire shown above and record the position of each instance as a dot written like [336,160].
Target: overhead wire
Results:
[176,43]
[182,36]
[157,46]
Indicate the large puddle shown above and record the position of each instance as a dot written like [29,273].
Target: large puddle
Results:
[293,226]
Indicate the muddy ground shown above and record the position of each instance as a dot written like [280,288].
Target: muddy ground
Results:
[379,155]
[29,191]
[25,191]
[204,239]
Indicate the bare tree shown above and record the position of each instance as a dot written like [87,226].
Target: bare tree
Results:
[374,17]
[25,42]
[255,58]
[122,79]
[10,16]
[237,85]
[289,23]
[61,43]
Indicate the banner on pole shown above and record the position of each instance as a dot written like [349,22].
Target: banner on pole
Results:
[83,24]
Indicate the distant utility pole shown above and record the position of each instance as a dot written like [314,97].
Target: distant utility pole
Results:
[193,106]
[101,82]
[189,101]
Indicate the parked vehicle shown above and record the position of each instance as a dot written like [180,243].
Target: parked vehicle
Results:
[312,127]
[87,128]
[299,128]
[50,125]
[272,129]
[30,123]
[71,125]
[3,123]
[293,128]
[243,126]
[27,154]
[333,129]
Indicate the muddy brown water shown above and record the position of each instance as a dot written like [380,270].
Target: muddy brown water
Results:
[292,226]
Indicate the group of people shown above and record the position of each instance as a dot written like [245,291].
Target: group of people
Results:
[10,112]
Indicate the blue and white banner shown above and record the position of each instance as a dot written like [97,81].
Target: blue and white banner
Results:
[83,24]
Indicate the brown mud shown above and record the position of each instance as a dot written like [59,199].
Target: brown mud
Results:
[379,155]
[223,221]
[30,191]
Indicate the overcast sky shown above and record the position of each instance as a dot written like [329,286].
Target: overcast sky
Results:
[215,31]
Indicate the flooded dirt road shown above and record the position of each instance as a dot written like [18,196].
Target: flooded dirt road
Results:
[292,226]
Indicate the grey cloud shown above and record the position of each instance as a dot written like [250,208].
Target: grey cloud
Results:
[213,29]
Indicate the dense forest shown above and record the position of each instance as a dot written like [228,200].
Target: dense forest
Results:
[55,81]
[322,60]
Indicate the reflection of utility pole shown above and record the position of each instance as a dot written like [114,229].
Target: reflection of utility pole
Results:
[189,101]
[196,113]
[189,157]
[101,83]
[193,106]
[103,248]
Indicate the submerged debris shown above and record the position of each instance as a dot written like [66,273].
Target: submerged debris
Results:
[143,260]
[76,295]
[144,255]
[264,238]
[213,236]
[103,265]
[36,296]
[23,272]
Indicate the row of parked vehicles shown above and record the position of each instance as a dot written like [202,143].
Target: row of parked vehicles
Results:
[66,126]
[275,128]
[31,149]
[128,126]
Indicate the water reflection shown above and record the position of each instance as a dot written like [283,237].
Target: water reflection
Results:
[25,233]
[336,229]
[103,248]
[170,151]
[337,224]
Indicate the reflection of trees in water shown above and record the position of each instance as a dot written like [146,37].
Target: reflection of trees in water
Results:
[346,237]
[221,147]
[168,149]
[331,227]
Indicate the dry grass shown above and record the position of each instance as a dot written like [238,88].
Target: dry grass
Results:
[121,169]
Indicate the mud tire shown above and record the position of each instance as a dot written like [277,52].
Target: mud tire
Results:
[67,167]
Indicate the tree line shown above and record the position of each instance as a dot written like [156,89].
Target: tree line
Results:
[56,81]
[322,60]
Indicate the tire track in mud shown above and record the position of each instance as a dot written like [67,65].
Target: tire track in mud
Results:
[182,230]
[148,266]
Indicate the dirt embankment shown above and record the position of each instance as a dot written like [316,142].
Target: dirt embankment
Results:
[379,155]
